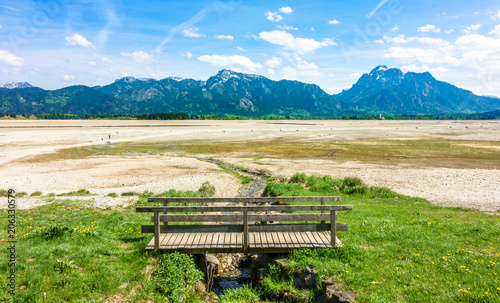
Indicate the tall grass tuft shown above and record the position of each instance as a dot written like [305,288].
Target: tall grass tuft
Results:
[301,184]
[244,294]
[80,192]
[176,275]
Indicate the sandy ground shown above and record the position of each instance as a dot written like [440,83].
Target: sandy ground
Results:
[19,140]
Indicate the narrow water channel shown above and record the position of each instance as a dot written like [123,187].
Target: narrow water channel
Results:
[239,273]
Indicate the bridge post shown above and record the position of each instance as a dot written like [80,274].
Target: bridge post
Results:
[323,203]
[333,231]
[156,218]
[245,230]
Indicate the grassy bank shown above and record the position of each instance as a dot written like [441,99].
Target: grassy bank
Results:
[402,249]
[67,251]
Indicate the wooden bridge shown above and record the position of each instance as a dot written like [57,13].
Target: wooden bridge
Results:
[247,225]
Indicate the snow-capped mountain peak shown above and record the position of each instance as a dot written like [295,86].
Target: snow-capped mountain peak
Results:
[12,85]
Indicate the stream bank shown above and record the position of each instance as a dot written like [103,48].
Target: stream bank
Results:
[233,270]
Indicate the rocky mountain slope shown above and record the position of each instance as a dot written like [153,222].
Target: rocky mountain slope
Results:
[383,90]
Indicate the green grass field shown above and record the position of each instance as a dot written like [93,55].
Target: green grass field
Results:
[67,251]
[397,249]
[403,249]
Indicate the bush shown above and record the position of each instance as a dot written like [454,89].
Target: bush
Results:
[207,190]
[36,194]
[298,178]
[176,276]
[353,181]
[113,195]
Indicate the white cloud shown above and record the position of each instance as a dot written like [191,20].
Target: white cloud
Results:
[429,28]
[301,69]
[424,68]
[289,73]
[286,10]
[192,32]
[68,77]
[241,48]
[395,28]
[470,51]
[9,59]
[334,21]
[273,62]
[138,56]
[471,28]
[496,16]
[409,54]
[496,31]
[449,31]
[230,61]
[379,41]
[424,40]
[303,65]
[287,27]
[273,17]
[106,59]
[228,37]
[476,13]
[429,55]
[355,75]
[77,39]
[187,54]
[299,45]
[93,63]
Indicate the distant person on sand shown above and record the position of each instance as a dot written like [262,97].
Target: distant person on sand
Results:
[109,136]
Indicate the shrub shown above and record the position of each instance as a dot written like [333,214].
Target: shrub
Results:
[113,195]
[176,274]
[298,178]
[353,181]
[207,190]
[36,194]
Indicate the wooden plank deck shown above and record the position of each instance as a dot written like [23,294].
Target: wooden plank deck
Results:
[262,242]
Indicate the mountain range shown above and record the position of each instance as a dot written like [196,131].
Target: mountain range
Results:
[382,91]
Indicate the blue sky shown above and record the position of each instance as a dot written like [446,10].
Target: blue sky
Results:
[53,44]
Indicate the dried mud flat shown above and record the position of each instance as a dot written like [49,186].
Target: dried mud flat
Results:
[26,163]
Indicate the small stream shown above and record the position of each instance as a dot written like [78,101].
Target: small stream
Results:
[240,273]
